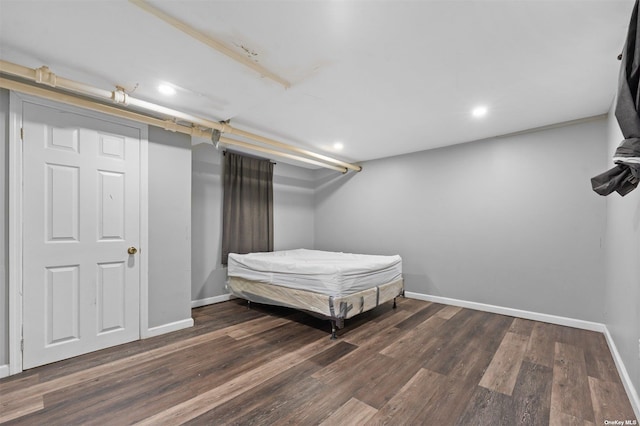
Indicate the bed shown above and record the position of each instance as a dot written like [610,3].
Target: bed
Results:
[331,285]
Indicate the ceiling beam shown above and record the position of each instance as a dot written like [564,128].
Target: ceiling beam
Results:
[211,42]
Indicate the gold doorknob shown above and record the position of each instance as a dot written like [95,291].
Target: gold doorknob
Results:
[132,250]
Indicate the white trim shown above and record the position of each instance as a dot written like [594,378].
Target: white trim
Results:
[15,233]
[632,393]
[535,316]
[168,328]
[4,370]
[211,300]
[15,208]
[144,234]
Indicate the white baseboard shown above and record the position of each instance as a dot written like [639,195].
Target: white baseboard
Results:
[168,328]
[536,316]
[211,300]
[4,371]
[552,319]
[624,374]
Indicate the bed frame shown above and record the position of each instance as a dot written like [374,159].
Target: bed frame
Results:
[333,308]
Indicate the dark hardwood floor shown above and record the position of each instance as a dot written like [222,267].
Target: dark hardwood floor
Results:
[421,364]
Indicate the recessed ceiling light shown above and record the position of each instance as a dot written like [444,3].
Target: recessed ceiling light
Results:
[165,89]
[338,146]
[479,111]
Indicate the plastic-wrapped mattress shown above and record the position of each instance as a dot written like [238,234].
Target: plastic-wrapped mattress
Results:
[331,273]
[334,285]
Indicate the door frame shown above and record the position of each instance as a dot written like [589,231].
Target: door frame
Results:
[16,212]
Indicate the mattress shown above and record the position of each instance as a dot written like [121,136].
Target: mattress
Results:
[330,273]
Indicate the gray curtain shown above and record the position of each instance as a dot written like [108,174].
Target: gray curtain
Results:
[247,219]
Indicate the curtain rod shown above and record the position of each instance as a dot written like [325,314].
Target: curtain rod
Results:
[45,77]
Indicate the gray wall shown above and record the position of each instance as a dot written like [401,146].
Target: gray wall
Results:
[510,221]
[293,207]
[622,292]
[208,275]
[169,227]
[293,217]
[4,234]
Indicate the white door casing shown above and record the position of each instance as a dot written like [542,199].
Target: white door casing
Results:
[81,210]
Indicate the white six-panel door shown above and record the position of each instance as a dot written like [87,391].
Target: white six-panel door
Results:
[81,213]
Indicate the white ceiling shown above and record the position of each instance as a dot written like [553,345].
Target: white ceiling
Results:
[384,77]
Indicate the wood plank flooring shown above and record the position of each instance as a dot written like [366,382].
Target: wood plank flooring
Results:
[421,364]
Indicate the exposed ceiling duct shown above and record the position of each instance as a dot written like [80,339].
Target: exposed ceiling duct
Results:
[197,126]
